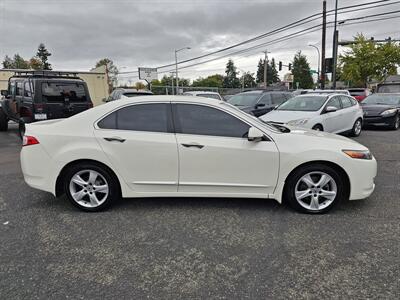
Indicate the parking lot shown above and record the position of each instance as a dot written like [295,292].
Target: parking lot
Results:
[199,248]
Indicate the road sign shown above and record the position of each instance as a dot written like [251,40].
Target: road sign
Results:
[148,74]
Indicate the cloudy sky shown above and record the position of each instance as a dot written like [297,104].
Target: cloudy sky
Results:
[145,32]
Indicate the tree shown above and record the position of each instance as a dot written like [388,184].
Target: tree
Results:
[247,80]
[20,63]
[43,55]
[35,63]
[366,60]
[231,80]
[8,63]
[272,72]
[140,86]
[301,72]
[112,71]
[216,80]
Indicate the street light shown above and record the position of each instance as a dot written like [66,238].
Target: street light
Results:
[176,67]
[319,61]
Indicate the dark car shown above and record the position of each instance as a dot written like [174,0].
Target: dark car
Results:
[42,95]
[382,109]
[118,93]
[259,102]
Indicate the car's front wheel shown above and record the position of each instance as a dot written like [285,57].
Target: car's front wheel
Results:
[314,189]
[396,122]
[90,187]
[318,127]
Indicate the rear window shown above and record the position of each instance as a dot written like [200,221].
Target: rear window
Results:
[136,94]
[359,92]
[389,88]
[60,92]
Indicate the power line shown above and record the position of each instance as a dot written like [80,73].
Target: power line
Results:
[303,21]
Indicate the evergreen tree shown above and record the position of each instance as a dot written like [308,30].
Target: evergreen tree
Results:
[8,63]
[272,72]
[248,80]
[260,71]
[20,63]
[43,55]
[302,72]
[231,80]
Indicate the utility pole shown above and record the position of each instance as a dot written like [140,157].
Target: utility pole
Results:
[335,48]
[176,67]
[265,68]
[323,67]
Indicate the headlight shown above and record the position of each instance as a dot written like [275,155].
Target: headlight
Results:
[389,112]
[358,154]
[298,122]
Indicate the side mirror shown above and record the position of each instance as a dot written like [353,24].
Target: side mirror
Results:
[329,109]
[4,93]
[260,105]
[255,135]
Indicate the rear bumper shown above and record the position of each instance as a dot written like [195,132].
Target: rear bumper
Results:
[36,168]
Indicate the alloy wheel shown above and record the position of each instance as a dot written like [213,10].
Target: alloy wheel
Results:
[357,127]
[315,191]
[89,188]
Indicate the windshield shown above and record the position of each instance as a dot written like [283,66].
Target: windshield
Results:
[245,99]
[303,103]
[213,96]
[382,99]
[389,88]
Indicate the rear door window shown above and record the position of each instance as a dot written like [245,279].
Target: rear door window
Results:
[141,117]
[61,92]
[19,89]
[346,102]
[265,99]
[277,99]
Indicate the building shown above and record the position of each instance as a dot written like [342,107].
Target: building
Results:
[96,81]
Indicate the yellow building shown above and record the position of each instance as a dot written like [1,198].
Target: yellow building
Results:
[96,81]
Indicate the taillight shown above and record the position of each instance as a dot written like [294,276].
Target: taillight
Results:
[29,141]
[38,107]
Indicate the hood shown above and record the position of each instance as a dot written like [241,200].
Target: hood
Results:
[375,109]
[284,116]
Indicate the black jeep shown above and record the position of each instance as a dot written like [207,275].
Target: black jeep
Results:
[42,95]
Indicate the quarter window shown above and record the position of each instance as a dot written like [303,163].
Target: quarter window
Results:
[204,120]
[141,117]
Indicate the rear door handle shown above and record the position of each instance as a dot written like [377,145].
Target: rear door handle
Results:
[194,145]
[114,139]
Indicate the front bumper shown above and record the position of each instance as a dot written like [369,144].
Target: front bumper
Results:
[362,176]
[379,120]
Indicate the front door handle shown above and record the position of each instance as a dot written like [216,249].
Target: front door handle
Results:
[194,145]
[114,139]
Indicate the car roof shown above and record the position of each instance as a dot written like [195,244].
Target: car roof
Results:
[134,91]
[201,92]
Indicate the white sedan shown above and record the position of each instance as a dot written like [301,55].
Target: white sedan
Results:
[324,112]
[176,146]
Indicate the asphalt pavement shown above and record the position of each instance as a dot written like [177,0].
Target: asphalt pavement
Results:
[199,248]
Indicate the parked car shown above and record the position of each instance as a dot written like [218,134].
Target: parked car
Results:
[342,92]
[359,94]
[259,102]
[42,95]
[382,109]
[119,93]
[174,146]
[212,95]
[324,112]
[390,85]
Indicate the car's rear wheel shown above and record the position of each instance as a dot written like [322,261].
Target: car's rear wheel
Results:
[314,189]
[357,127]
[3,121]
[90,187]
[318,127]
[396,122]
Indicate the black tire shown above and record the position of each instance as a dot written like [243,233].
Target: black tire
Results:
[293,181]
[357,128]
[21,129]
[318,127]
[3,121]
[396,123]
[106,177]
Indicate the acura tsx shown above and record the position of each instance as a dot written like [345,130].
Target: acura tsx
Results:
[177,146]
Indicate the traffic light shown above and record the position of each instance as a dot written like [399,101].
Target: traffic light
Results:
[280,66]
[290,66]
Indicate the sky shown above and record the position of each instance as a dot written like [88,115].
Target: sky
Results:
[140,33]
